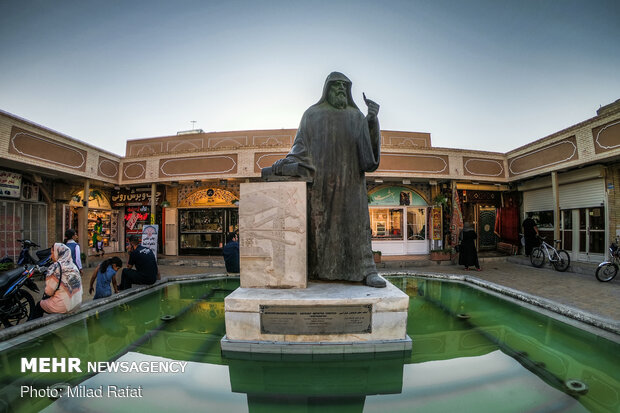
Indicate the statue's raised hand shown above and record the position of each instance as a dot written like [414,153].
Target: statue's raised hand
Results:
[373,108]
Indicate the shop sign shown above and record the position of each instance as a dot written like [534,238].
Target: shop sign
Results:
[436,214]
[133,218]
[395,195]
[149,237]
[134,196]
[209,197]
[10,184]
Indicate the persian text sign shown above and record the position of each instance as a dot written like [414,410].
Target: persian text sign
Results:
[131,222]
[149,237]
[10,184]
[325,319]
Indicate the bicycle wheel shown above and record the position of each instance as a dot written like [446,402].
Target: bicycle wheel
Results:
[563,261]
[538,257]
[606,272]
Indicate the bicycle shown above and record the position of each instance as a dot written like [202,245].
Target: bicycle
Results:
[558,258]
[607,270]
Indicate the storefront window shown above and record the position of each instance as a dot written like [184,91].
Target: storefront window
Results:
[544,221]
[386,223]
[203,231]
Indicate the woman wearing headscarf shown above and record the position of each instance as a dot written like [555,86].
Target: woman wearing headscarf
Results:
[63,284]
[468,256]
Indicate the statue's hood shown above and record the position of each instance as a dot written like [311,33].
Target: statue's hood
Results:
[333,76]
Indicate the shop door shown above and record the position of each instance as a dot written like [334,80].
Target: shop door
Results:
[486,228]
[591,234]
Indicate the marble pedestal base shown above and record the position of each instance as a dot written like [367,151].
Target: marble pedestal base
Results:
[373,319]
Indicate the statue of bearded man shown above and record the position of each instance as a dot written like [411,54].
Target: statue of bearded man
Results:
[335,145]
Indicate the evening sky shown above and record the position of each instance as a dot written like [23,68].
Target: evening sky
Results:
[485,74]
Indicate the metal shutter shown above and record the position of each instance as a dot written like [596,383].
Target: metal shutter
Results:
[582,194]
[538,200]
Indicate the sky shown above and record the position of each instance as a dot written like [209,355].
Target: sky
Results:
[487,75]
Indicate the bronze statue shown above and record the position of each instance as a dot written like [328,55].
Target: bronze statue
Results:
[335,145]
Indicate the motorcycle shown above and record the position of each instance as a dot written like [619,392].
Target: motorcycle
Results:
[44,256]
[16,304]
[607,270]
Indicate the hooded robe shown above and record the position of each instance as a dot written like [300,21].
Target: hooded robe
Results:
[337,146]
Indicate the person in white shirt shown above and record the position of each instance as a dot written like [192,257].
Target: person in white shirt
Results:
[71,242]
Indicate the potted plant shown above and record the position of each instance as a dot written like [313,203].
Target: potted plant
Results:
[377,256]
[441,200]
[444,254]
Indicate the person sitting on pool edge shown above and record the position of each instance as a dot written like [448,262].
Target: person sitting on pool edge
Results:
[146,271]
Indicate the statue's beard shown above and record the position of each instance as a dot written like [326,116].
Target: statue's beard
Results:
[339,101]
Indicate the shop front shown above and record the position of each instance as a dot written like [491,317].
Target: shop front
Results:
[398,221]
[582,206]
[482,208]
[135,206]
[205,217]
[98,207]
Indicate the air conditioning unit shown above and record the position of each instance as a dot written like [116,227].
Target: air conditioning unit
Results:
[30,192]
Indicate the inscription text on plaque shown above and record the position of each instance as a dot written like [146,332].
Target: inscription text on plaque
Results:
[324,319]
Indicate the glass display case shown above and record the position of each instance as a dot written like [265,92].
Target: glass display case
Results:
[203,231]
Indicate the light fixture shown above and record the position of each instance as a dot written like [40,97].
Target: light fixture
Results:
[378,181]
[223,182]
[165,204]
[117,188]
[196,182]
[406,181]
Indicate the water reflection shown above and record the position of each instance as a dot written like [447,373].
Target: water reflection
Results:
[471,352]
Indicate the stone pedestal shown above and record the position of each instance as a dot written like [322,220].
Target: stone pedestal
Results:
[277,312]
[322,318]
[272,228]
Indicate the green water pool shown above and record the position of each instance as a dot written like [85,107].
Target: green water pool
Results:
[472,351]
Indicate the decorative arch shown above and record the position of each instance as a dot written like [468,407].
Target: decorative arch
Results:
[97,199]
[209,197]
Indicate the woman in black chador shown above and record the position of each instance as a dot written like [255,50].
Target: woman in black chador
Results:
[468,255]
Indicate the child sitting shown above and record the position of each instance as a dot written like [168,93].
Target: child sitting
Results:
[105,273]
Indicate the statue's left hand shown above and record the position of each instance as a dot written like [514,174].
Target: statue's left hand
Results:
[373,108]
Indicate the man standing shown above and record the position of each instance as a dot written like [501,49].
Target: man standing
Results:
[335,145]
[146,271]
[231,253]
[530,233]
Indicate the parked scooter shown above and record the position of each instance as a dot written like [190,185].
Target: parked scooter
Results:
[44,256]
[16,304]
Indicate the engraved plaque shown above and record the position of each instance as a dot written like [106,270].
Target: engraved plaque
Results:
[325,319]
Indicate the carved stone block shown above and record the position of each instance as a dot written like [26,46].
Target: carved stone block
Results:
[272,235]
